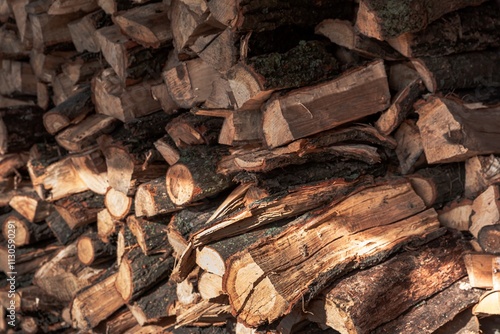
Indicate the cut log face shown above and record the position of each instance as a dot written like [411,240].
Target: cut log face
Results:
[486,208]
[91,250]
[31,207]
[25,232]
[117,203]
[314,109]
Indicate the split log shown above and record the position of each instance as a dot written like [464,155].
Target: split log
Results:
[125,104]
[13,47]
[486,208]
[81,68]
[60,7]
[10,164]
[192,178]
[343,33]
[51,30]
[64,234]
[113,6]
[235,130]
[119,322]
[345,305]
[28,259]
[167,148]
[95,303]
[147,25]
[410,150]
[188,129]
[210,286]
[481,172]
[18,9]
[17,78]
[25,232]
[83,31]
[435,312]
[91,250]
[92,170]
[151,236]
[71,111]
[456,215]
[159,303]
[46,66]
[80,209]
[34,299]
[187,292]
[220,52]
[221,95]
[334,249]
[401,75]
[107,226]
[117,203]
[161,94]
[465,30]
[325,105]
[488,238]
[488,304]
[152,199]
[451,132]
[63,88]
[439,73]
[30,206]
[382,19]
[138,273]
[205,312]
[63,276]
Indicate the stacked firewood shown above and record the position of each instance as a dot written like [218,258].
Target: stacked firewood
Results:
[224,166]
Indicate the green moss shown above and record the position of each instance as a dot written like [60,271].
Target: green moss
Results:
[399,16]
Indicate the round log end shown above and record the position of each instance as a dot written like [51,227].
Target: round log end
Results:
[424,189]
[53,122]
[124,281]
[85,251]
[489,239]
[117,203]
[13,226]
[180,185]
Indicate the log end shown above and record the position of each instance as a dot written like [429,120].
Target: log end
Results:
[85,251]
[124,282]
[117,203]
[180,184]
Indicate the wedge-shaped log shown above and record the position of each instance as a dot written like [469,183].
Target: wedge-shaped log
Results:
[452,132]
[481,172]
[31,206]
[486,209]
[266,280]
[310,110]
[83,31]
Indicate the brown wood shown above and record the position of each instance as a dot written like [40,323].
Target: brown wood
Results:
[28,259]
[107,226]
[488,304]
[158,304]
[64,234]
[167,148]
[60,7]
[456,214]
[30,206]
[488,239]
[117,203]
[210,286]
[150,235]
[124,242]
[283,118]
[80,209]
[83,31]
[486,208]
[188,129]
[25,232]
[119,322]
[17,78]
[379,19]
[480,172]
[92,170]
[92,251]
[451,132]
[410,150]
[152,199]
[161,94]
[81,68]
[50,30]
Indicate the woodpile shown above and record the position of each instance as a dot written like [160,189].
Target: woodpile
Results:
[236,166]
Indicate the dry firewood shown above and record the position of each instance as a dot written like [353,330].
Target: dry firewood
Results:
[161,94]
[30,206]
[63,88]
[46,66]
[435,312]
[13,47]
[488,304]
[488,238]
[64,234]
[379,19]
[26,232]
[332,249]
[151,236]
[113,6]
[439,73]
[481,172]
[345,305]
[158,303]
[107,226]
[342,33]
[190,83]
[125,104]
[63,276]
[452,132]
[81,68]
[468,29]
[117,203]
[192,177]
[17,78]
[10,163]
[220,52]
[138,273]
[486,208]
[209,312]
[82,136]
[187,291]
[221,96]
[83,31]
[235,130]
[71,111]
[151,199]
[401,75]
[92,170]
[95,303]
[125,242]
[118,322]
[456,214]
[283,117]
[51,30]
[188,129]
[91,250]
[147,25]
[60,7]
[210,285]
[28,259]
[43,92]
[167,148]
[410,151]
[6,102]
[80,209]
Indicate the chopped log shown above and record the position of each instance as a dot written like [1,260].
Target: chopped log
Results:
[60,7]
[107,226]
[147,25]
[208,312]
[417,275]
[71,111]
[168,150]
[157,304]
[186,290]
[113,6]
[190,83]
[42,96]
[28,260]
[486,208]
[138,273]
[435,312]
[64,234]
[63,276]
[51,30]
[117,203]
[400,108]
[384,19]
[334,249]
[91,169]
[10,163]
[119,322]
[125,104]
[25,232]
[495,276]
[325,105]
[81,68]
[465,30]
[480,172]
[488,238]
[410,151]
[488,304]
[95,303]
[451,132]
[18,12]
[188,129]
[235,130]
[34,299]
[125,242]
[82,136]
[439,73]
[343,33]
[456,215]
[210,286]
[46,66]
[221,96]
[479,269]
[401,75]
[161,94]
[31,206]
[192,178]
[151,236]
[63,88]
[83,31]
[91,250]
[220,52]
[152,199]
[80,209]
[17,78]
